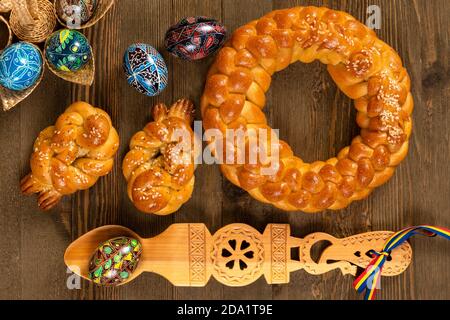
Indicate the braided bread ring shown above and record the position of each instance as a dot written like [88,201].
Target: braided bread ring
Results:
[71,155]
[160,166]
[365,68]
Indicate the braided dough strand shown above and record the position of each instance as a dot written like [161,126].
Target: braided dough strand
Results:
[71,155]
[365,68]
[160,166]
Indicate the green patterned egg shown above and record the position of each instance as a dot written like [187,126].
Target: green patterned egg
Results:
[114,261]
[68,50]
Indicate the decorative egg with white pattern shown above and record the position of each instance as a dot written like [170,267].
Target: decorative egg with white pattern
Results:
[20,66]
[195,38]
[145,69]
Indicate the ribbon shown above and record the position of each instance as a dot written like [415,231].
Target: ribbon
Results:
[369,280]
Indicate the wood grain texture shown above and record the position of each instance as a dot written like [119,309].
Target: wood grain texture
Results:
[312,115]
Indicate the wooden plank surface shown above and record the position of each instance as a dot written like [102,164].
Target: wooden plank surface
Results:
[312,115]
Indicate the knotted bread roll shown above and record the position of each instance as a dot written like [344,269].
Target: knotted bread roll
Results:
[160,165]
[71,155]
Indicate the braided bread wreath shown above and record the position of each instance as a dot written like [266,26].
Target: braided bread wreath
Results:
[71,155]
[365,68]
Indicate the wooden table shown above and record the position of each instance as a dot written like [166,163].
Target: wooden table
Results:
[313,116]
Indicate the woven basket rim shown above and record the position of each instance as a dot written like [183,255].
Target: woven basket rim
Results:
[5,5]
[10,34]
[41,30]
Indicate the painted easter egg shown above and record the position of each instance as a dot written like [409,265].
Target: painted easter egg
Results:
[68,50]
[75,12]
[20,66]
[114,261]
[195,38]
[146,69]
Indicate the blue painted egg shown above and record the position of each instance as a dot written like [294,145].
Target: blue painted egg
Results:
[195,38]
[20,66]
[146,69]
[68,50]
[76,12]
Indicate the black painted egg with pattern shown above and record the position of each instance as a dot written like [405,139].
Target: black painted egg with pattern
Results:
[195,38]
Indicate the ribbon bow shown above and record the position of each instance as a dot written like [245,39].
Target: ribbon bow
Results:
[369,280]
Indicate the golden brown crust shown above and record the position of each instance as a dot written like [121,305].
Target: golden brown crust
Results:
[363,67]
[160,166]
[71,155]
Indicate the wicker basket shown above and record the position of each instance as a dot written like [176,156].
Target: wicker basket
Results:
[5,5]
[32,20]
[10,98]
[5,22]
[84,76]
[102,8]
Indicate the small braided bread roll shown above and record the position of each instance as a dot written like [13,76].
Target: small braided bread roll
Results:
[365,68]
[71,155]
[160,166]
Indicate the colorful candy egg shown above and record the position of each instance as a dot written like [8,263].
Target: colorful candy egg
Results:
[195,38]
[20,66]
[68,50]
[146,69]
[76,12]
[114,261]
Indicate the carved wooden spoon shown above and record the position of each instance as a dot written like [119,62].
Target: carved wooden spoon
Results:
[236,255]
